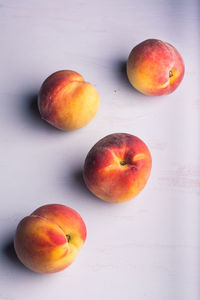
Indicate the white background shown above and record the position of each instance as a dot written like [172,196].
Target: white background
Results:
[147,248]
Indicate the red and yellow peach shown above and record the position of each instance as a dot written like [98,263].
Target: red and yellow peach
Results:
[117,168]
[155,68]
[66,101]
[49,239]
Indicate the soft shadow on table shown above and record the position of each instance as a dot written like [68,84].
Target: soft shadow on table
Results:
[33,108]
[8,252]
[78,180]
[29,109]
[122,76]
[34,114]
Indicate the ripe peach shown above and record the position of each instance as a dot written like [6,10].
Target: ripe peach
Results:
[66,101]
[117,167]
[155,68]
[49,239]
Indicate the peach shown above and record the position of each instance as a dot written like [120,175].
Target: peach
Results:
[66,101]
[49,239]
[117,168]
[155,68]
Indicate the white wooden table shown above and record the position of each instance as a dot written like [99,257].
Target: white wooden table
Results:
[147,248]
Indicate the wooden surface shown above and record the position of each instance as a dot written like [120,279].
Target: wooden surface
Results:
[147,248]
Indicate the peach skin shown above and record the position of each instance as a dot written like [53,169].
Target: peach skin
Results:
[155,68]
[117,168]
[66,101]
[49,239]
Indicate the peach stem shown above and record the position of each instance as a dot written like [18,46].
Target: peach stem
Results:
[68,237]
[123,163]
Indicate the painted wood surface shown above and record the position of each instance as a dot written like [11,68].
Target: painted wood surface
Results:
[147,248]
